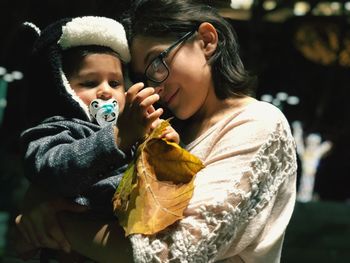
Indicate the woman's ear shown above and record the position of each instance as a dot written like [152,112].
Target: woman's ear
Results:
[208,34]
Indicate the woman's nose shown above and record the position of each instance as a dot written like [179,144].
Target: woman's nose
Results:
[104,91]
[159,89]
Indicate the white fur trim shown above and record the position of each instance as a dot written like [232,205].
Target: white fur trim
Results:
[94,30]
[74,95]
[31,25]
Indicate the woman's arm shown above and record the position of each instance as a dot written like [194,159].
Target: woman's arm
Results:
[38,225]
[100,240]
[53,222]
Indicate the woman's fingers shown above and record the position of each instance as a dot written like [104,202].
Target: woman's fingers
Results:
[169,133]
[35,233]
[26,255]
[156,123]
[41,227]
[172,136]
[21,228]
[55,231]
[151,118]
[27,228]
[54,228]
[25,250]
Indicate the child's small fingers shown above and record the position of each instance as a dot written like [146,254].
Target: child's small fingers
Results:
[149,101]
[146,95]
[133,91]
[136,87]
[145,92]
[150,109]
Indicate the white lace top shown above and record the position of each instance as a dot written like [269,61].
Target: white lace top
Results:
[243,198]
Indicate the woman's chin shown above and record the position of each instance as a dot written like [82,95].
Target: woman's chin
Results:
[181,115]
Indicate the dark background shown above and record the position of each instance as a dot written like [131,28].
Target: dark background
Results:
[269,49]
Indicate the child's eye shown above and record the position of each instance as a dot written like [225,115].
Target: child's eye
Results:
[89,84]
[114,83]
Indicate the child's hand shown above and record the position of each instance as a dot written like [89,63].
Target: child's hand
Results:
[138,115]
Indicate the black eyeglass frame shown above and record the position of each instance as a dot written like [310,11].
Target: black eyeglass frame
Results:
[164,54]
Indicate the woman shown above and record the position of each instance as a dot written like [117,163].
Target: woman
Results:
[244,197]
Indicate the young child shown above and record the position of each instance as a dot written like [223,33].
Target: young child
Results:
[76,150]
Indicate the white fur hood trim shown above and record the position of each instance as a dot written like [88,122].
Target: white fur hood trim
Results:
[92,30]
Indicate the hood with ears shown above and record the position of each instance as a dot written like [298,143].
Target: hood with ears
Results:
[48,92]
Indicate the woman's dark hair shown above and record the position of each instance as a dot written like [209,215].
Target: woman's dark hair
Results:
[174,18]
[72,58]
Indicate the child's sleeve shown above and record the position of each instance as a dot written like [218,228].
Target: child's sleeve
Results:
[67,160]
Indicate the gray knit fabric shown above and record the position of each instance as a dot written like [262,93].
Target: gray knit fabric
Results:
[74,158]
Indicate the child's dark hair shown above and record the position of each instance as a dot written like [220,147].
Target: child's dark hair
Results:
[174,18]
[72,58]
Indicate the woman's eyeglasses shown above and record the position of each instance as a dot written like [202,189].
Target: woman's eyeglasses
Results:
[157,70]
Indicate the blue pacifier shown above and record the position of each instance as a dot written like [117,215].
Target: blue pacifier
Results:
[104,111]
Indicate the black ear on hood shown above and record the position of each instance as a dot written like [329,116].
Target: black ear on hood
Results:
[50,35]
[46,94]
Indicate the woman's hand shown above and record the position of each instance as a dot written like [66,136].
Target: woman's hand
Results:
[38,223]
[170,134]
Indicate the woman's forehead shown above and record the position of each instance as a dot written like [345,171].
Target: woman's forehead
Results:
[144,42]
[142,47]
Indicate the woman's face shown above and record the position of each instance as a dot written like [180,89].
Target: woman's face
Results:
[186,89]
[99,77]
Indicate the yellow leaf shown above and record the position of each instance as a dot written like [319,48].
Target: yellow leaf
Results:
[121,196]
[157,187]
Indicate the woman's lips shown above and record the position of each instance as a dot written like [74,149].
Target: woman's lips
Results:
[169,99]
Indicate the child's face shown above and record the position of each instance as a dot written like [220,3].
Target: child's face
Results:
[100,77]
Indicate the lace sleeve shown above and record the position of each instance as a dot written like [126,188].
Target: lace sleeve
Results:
[237,183]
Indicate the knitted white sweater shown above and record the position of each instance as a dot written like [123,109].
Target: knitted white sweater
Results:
[243,198]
